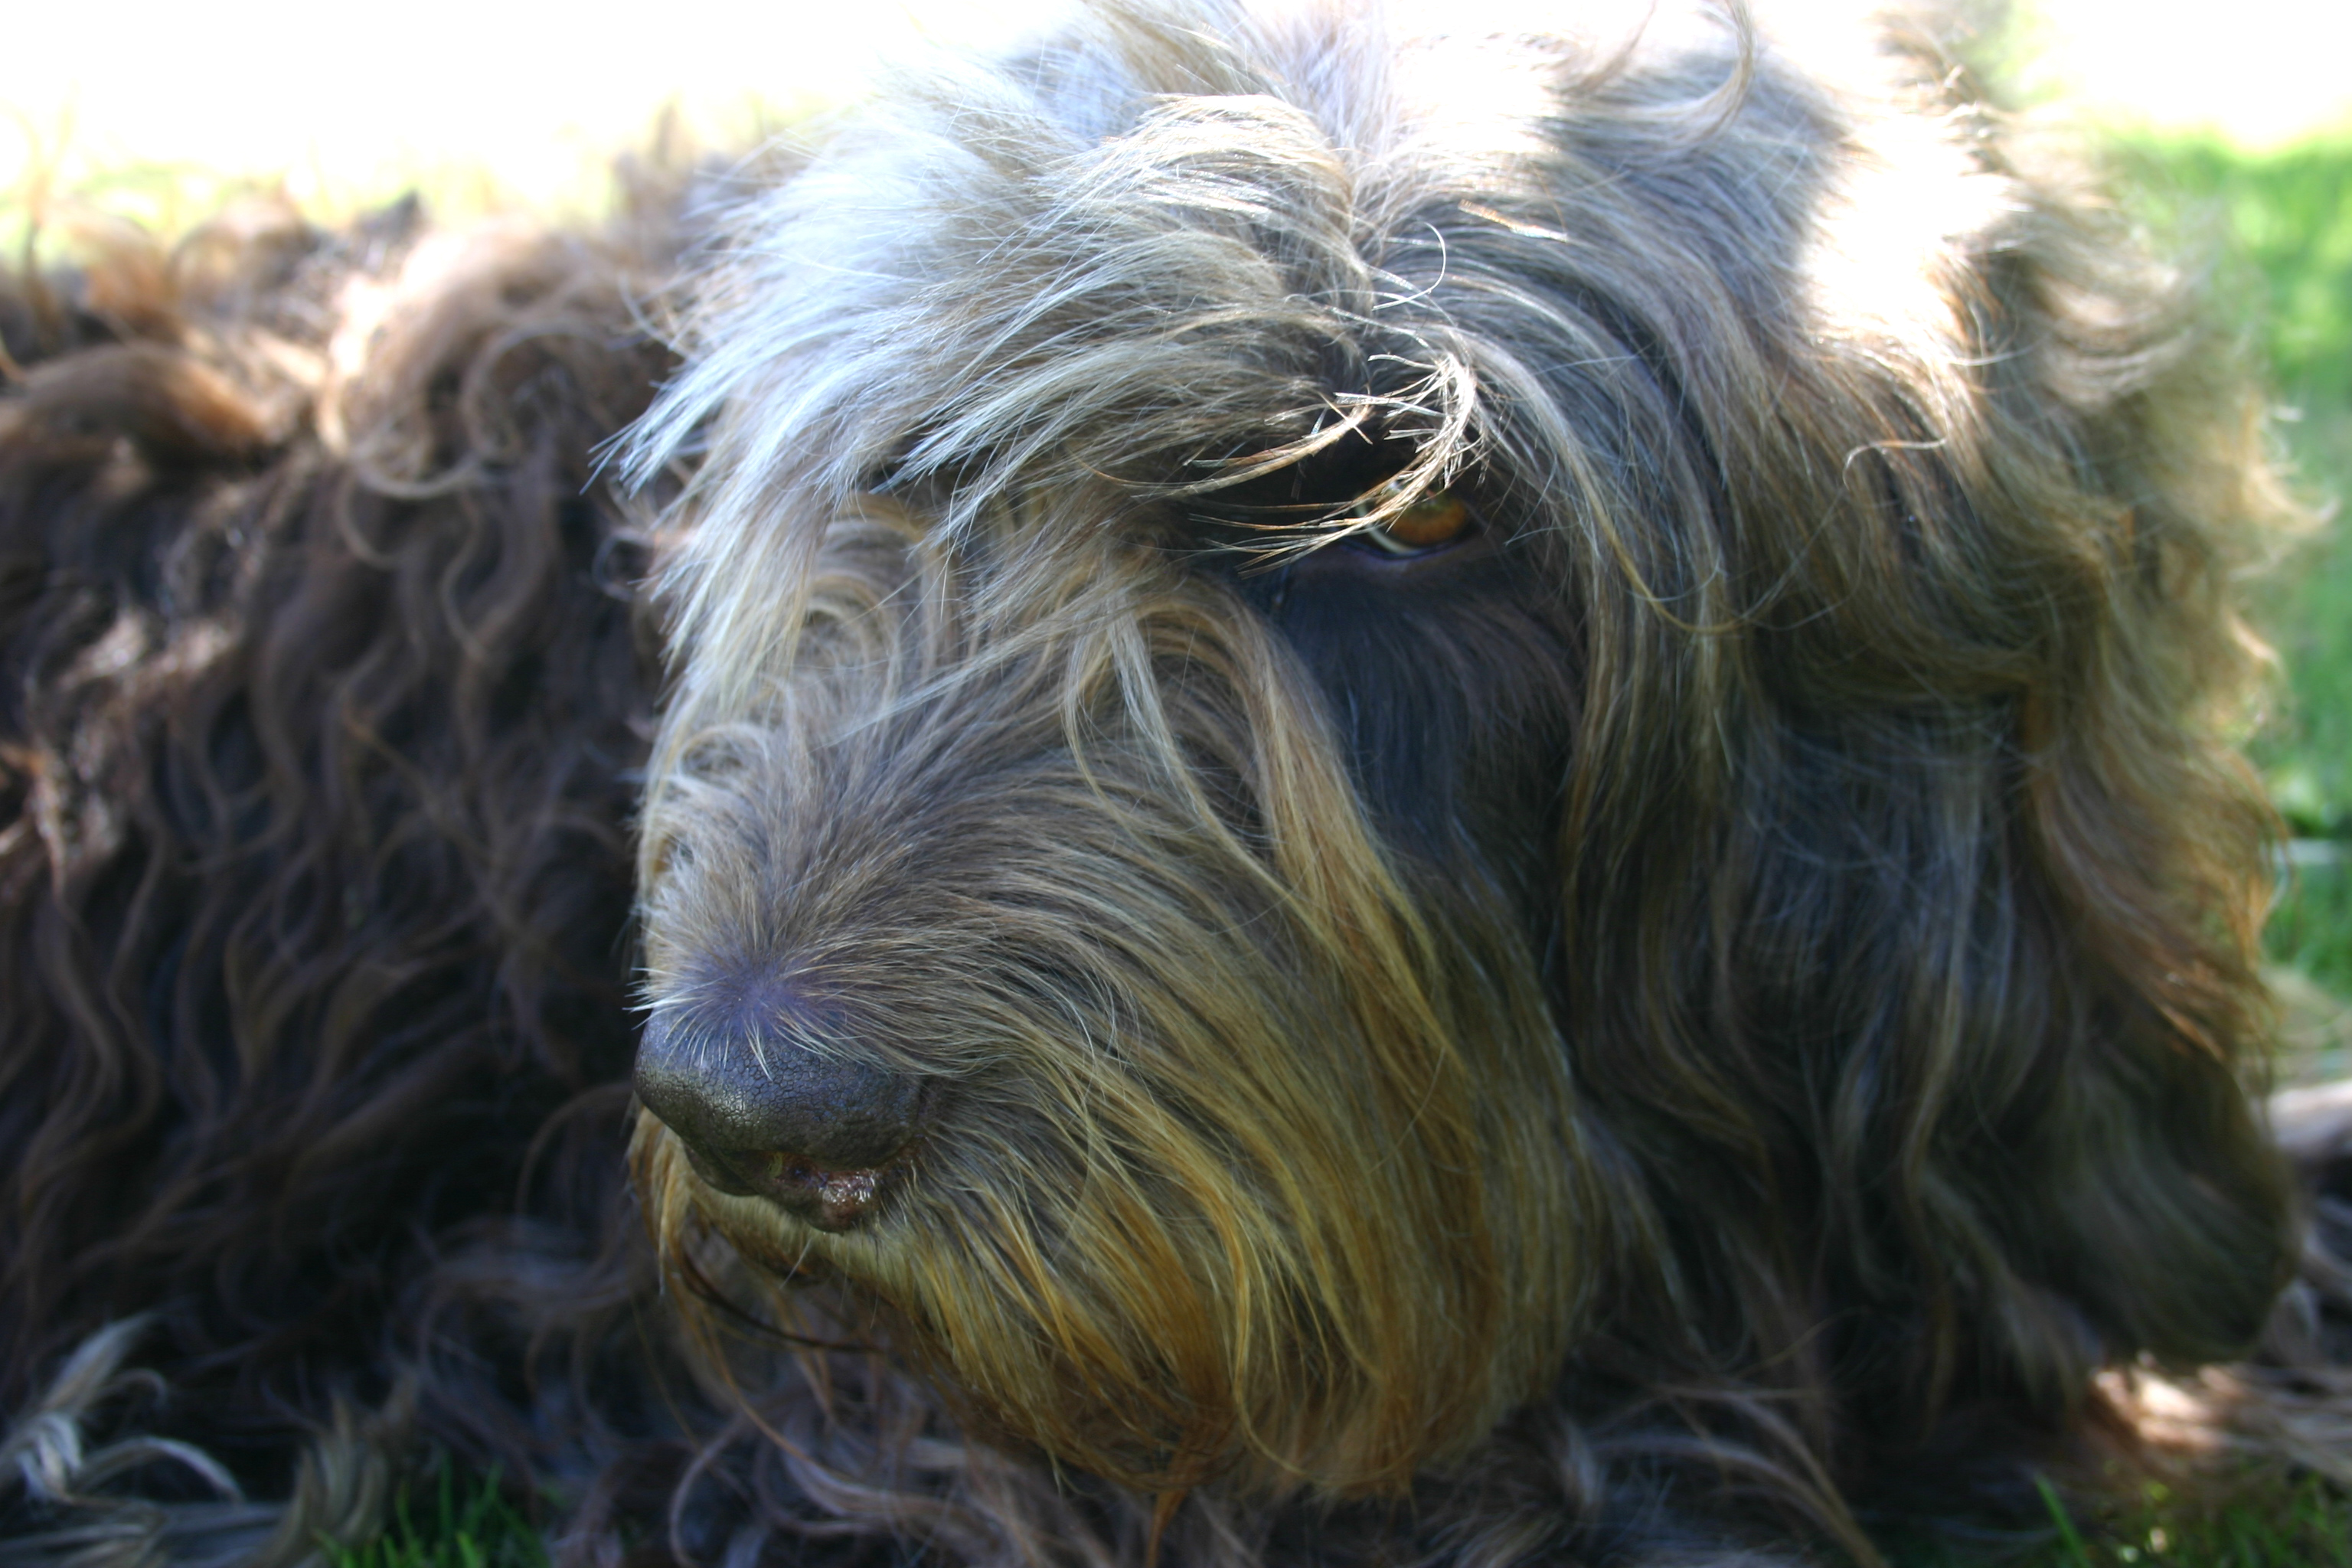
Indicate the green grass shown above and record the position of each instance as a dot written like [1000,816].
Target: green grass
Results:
[2265,1520]
[2276,231]
[2305,611]
[457,1523]
[2274,1522]
[2279,222]
[2311,932]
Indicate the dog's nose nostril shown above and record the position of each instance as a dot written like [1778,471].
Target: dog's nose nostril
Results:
[763,1114]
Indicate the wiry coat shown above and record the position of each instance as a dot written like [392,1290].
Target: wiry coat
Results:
[1717,999]
[325,679]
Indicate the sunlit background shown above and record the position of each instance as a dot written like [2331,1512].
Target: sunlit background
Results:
[491,97]
[465,99]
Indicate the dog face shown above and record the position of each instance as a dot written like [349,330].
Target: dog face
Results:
[1364,733]
[1110,1040]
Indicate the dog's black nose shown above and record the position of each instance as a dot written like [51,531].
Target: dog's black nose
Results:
[761,1113]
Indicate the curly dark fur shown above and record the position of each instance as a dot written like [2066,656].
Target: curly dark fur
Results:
[324,695]
[1715,1015]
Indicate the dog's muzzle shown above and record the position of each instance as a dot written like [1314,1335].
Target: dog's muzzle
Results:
[758,1114]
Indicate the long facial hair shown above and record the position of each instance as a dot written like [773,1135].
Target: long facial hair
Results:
[1110,891]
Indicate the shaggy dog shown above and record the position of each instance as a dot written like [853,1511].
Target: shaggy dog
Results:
[1350,798]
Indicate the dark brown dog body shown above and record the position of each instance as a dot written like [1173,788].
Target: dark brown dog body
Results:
[1417,799]
[317,886]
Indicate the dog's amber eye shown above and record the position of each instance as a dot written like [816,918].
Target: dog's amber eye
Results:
[1438,518]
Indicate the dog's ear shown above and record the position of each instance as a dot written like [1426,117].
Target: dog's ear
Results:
[2124,468]
[1911,885]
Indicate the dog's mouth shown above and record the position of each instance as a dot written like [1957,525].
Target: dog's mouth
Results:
[785,1215]
[831,1197]
[1029,1002]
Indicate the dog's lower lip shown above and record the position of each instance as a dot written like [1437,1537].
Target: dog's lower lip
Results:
[833,1200]
[830,1199]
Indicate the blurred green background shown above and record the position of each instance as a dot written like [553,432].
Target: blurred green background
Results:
[2274,226]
